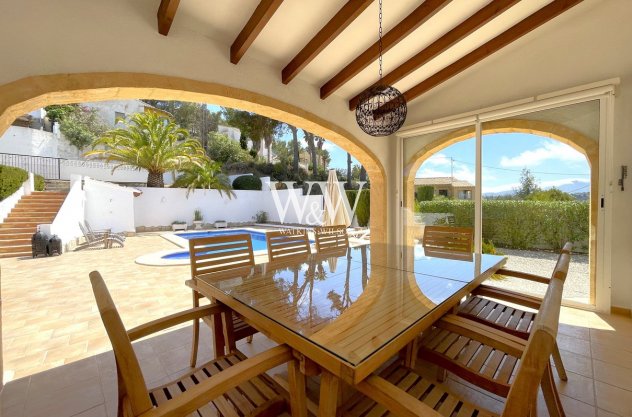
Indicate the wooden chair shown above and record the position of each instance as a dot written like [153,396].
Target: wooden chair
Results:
[215,254]
[404,392]
[229,385]
[483,306]
[331,238]
[455,239]
[286,244]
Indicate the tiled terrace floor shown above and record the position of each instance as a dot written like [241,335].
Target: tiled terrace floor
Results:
[58,363]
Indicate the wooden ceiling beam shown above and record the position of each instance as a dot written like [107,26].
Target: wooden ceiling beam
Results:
[535,20]
[166,13]
[262,14]
[411,22]
[467,27]
[345,16]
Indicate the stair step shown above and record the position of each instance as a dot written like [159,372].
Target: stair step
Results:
[16,255]
[38,205]
[29,225]
[35,211]
[15,229]
[4,237]
[29,219]
[14,242]
[16,248]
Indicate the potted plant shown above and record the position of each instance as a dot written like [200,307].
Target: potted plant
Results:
[197,219]
[179,225]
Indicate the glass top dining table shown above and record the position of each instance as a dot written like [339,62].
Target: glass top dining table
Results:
[350,307]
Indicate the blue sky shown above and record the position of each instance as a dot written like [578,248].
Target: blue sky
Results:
[553,163]
[338,155]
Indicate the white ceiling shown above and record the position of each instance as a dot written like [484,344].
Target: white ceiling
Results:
[297,21]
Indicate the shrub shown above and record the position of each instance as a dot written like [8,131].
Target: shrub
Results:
[522,224]
[223,149]
[39,183]
[260,217]
[11,179]
[247,182]
[424,193]
[363,211]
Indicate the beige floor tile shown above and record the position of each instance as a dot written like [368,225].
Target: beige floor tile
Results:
[603,413]
[613,374]
[610,354]
[578,364]
[577,387]
[571,344]
[613,399]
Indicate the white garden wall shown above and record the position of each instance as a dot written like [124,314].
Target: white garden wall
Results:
[109,206]
[162,206]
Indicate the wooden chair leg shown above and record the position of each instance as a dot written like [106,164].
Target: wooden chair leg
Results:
[249,339]
[442,374]
[196,333]
[229,335]
[559,365]
[551,396]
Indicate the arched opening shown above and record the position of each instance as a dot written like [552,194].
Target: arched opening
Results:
[31,93]
[22,96]
[584,144]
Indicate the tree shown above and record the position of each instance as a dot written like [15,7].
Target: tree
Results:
[149,141]
[82,126]
[295,148]
[204,174]
[223,149]
[326,158]
[243,142]
[552,194]
[194,117]
[58,112]
[362,173]
[424,193]
[256,127]
[349,173]
[528,185]
[311,147]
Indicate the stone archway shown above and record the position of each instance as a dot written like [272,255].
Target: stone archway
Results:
[580,142]
[27,94]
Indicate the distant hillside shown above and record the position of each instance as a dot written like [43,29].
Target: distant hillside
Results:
[579,188]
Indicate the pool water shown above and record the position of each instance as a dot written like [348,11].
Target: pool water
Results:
[258,240]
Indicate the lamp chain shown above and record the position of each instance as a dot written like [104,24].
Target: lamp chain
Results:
[380,34]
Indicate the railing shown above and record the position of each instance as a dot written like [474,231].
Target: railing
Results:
[51,168]
[47,167]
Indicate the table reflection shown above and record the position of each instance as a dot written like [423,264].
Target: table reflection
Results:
[342,301]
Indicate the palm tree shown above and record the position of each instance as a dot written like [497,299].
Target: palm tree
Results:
[348,171]
[204,174]
[149,141]
[311,147]
[295,147]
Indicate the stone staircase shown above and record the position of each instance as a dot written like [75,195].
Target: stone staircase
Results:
[40,207]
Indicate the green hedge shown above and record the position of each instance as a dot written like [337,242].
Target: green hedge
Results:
[247,182]
[363,210]
[522,224]
[12,178]
[424,193]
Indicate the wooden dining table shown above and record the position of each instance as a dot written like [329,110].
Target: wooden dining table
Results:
[346,313]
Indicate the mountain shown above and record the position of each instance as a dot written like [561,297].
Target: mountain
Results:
[578,188]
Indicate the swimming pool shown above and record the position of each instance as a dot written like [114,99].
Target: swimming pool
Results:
[258,240]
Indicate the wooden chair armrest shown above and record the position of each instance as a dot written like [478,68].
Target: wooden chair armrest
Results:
[489,336]
[399,402]
[211,388]
[174,319]
[523,275]
[508,295]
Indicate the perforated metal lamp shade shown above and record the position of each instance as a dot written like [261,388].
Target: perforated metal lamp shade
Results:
[381,110]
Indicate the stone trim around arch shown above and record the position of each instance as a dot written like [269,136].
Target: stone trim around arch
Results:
[559,132]
[24,95]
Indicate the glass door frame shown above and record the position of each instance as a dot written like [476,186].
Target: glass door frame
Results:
[604,92]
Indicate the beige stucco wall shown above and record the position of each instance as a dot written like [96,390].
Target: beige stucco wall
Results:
[587,44]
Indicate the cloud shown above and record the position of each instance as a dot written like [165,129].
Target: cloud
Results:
[438,159]
[548,151]
[460,172]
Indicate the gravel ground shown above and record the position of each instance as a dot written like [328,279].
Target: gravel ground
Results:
[576,287]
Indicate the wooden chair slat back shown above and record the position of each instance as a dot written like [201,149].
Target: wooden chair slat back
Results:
[133,394]
[522,398]
[219,253]
[331,237]
[458,239]
[284,244]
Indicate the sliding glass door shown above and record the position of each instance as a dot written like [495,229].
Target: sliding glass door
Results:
[533,185]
